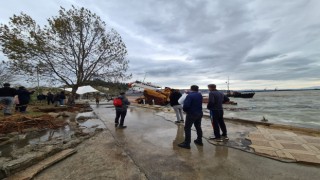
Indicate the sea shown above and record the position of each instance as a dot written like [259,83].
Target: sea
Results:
[296,108]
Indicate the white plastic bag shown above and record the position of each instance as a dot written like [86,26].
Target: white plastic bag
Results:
[182,98]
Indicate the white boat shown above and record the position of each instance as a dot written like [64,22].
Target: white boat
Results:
[139,86]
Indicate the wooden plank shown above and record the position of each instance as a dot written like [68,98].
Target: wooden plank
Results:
[30,172]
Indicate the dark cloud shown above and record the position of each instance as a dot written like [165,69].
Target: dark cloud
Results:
[256,43]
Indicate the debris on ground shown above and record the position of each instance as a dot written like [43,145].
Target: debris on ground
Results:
[26,139]
[19,122]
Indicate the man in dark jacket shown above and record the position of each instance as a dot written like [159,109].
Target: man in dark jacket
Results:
[193,108]
[50,97]
[174,97]
[24,98]
[6,97]
[121,112]
[216,99]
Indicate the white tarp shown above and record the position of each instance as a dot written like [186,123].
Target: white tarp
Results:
[83,90]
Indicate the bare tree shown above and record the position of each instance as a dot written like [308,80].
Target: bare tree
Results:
[73,48]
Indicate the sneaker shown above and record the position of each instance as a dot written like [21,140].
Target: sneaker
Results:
[198,142]
[182,121]
[184,145]
[177,122]
[122,127]
[225,137]
[7,114]
[216,139]
[116,124]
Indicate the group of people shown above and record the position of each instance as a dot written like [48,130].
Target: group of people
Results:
[56,99]
[9,96]
[21,98]
[191,104]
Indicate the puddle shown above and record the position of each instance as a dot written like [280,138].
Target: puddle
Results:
[86,115]
[88,122]
[91,124]
[36,137]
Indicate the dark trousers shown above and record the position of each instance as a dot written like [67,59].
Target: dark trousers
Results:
[190,120]
[120,114]
[23,107]
[218,123]
[50,101]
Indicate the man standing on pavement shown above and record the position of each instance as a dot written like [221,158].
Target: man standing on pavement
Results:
[216,99]
[193,108]
[121,104]
[174,97]
[6,97]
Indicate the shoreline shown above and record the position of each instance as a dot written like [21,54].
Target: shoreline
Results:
[246,121]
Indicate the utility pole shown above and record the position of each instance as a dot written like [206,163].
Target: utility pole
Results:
[38,79]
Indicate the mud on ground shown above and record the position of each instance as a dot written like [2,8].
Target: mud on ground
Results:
[26,139]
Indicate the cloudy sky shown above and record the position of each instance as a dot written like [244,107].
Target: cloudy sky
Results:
[257,43]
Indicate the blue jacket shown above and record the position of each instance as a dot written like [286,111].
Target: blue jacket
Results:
[193,103]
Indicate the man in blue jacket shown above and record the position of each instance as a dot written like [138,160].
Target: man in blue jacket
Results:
[193,108]
[216,99]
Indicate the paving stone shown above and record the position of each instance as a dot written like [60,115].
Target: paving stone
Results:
[262,147]
[306,158]
[312,140]
[299,139]
[292,134]
[261,143]
[284,138]
[298,151]
[314,148]
[284,155]
[278,132]
[276,145]
[293,146]
[286,144]
[256,136]
[308,148]
[266,152]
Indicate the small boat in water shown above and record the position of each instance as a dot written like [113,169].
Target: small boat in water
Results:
[237,94]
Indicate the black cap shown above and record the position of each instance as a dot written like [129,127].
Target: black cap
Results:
[122,93]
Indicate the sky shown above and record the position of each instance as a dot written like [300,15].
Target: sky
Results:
[258,44]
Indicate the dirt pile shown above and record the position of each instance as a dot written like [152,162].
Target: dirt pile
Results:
[19,122]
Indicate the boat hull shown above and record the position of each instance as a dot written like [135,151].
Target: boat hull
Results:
[241,95]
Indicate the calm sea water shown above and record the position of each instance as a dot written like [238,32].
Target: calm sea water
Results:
[298,108]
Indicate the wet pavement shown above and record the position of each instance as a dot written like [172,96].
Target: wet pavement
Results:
[150,141]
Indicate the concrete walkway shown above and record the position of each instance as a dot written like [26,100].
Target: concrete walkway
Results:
[281,142]
[149,146]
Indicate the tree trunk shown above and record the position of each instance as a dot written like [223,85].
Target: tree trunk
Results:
[72,97]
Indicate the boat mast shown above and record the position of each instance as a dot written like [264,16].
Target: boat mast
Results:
[144,77]
[228,83]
